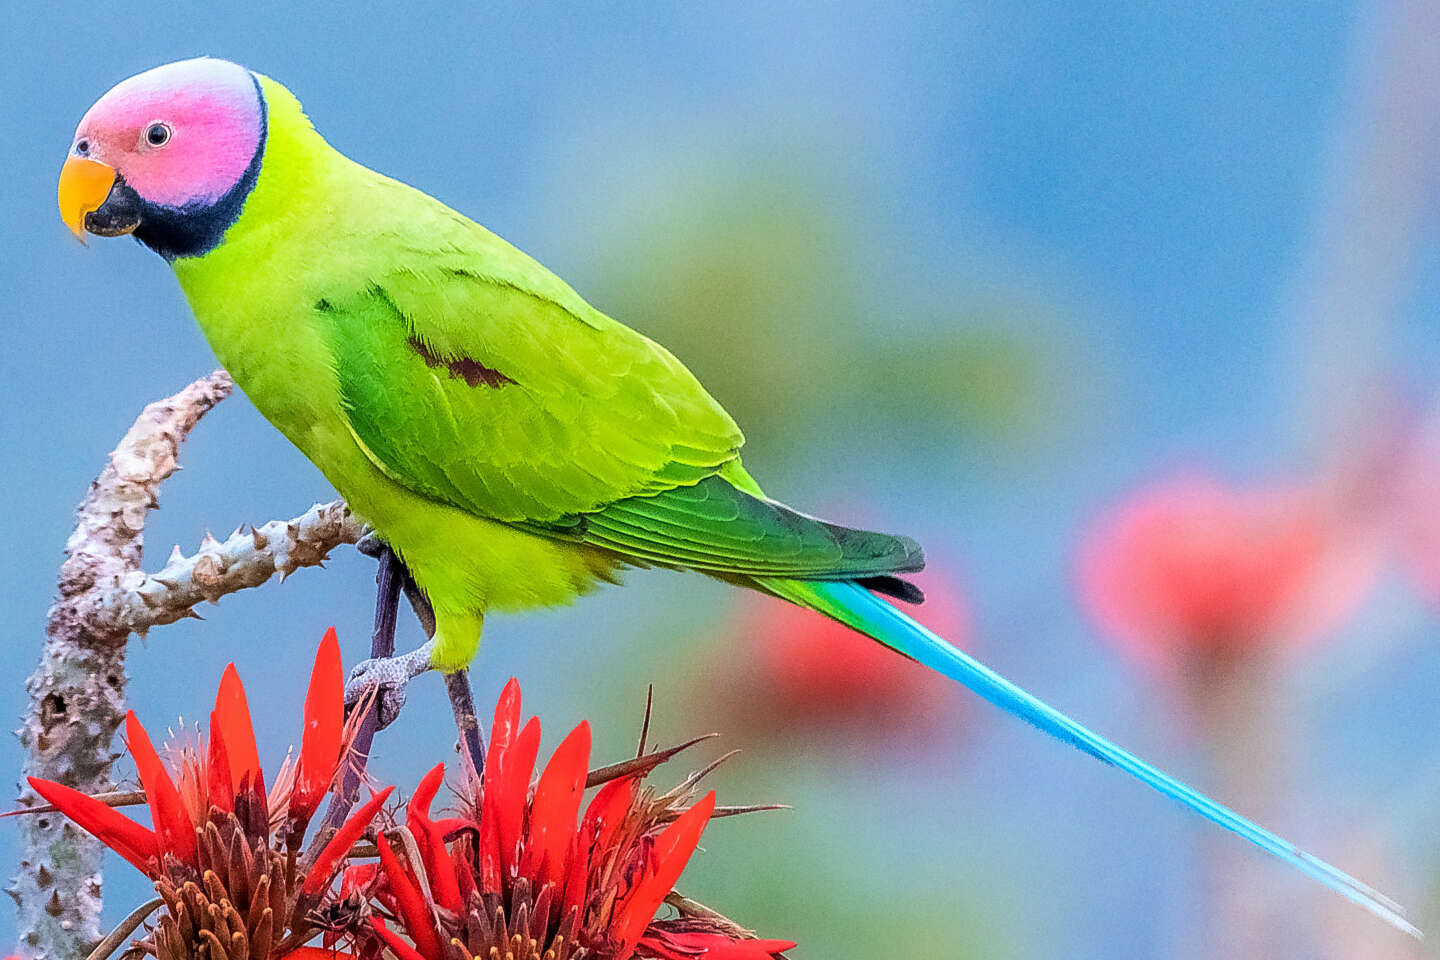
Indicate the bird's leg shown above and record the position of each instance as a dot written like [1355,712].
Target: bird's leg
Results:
[388,577]
[383,670]
[391,675]
[457,685]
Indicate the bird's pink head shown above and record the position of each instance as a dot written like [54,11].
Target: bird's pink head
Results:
[169,155]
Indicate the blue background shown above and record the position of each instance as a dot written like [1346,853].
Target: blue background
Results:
[969,271]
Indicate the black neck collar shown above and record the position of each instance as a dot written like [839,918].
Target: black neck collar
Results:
[195,229]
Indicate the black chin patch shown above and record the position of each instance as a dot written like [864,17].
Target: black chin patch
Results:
[119,214]
[195,229]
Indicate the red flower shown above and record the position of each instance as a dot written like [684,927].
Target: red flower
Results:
[794,669]
[531,871]
[223,853]
[1189,566]
[525,870]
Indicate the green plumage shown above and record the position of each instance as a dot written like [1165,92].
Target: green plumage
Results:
[513,444]
[715,527]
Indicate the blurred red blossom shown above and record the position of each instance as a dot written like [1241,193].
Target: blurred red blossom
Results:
[793,668]
[1189,566]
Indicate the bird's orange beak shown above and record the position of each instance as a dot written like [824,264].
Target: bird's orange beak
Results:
[84,185]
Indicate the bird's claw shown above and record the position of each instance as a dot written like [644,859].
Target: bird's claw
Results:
[389,677]
[371,546]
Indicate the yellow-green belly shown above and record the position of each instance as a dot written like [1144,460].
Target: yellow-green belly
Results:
[467,565]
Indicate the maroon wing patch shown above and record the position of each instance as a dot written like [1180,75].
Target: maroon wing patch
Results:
[473,372]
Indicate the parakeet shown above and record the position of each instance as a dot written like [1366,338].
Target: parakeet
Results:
[515,446]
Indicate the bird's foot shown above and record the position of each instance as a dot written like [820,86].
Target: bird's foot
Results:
[389,676]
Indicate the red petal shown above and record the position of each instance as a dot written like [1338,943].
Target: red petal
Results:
[661,944]
[351,830]
[217,770]
[314,953]
[419,806]
[556,803]
[597,829]
[466,877]
[671,852]
[382,893]
[232,717]
[513,788]
[358,878]
[507,722]
[409,902]
[502,734]
[394,941]
[607,810]
[578,877]
[118,832]
[711,946]
[324,720]
[439,868]
[167,813]
[492,875]
[648,947]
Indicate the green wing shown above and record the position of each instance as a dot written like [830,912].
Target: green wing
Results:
[718,528]
[472,375]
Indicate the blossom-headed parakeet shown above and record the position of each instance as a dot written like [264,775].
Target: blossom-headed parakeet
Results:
[515,446]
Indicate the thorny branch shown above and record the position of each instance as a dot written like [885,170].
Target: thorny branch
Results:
[140,601]
[77,694]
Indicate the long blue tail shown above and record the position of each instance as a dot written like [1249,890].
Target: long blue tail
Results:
[857,608]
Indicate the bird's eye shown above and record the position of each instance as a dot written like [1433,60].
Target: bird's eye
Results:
[157,134]
[82,148]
